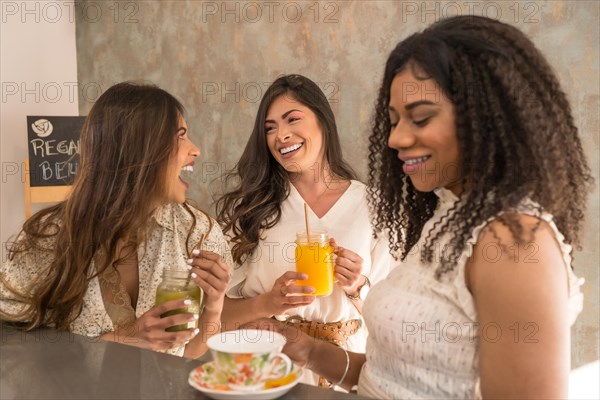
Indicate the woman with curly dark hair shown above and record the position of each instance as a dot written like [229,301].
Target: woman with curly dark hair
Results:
[92,263]
[292,158]
[477,170]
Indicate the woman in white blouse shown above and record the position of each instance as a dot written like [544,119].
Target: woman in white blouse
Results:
[294,157]
[92,263]
[478,171]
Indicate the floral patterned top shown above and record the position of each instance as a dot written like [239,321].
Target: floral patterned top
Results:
[107,305]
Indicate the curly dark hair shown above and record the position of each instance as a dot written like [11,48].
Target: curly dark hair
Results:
[255,204]
[515,130]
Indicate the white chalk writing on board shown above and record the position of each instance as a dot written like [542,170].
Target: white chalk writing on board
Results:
[54,149]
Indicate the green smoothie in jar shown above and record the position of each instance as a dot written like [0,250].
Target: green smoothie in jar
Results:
[176,284]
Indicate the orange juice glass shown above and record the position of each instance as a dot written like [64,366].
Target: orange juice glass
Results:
[314,257]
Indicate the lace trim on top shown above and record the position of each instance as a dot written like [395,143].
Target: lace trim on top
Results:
[117,301]
[527,207]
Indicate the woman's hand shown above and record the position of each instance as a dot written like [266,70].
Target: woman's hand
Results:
[212,275]
[285,294]
[322,358]
[298,344]
[149,330]
[348,268]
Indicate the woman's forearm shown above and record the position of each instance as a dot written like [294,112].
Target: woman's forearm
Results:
[330,361]
[237,312]
[209,324]
[126,335]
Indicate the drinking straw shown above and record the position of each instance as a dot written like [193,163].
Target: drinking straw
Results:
[197,246]
[307,223]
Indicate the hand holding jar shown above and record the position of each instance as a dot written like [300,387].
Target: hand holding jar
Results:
[211,274]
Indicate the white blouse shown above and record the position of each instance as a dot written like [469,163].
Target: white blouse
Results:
[423,333]
[349,223]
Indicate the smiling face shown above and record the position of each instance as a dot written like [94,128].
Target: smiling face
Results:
[294,136]
[424,133]
[181,163]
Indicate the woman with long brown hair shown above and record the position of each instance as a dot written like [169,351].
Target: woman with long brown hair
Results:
[92,263]
[294,157]
[477,170]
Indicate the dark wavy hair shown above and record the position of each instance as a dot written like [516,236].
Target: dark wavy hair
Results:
[126,143]
[255,204]
[515,130]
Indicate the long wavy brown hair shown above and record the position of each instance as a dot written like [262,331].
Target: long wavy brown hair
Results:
[126,143]
[515,130]
[255,204]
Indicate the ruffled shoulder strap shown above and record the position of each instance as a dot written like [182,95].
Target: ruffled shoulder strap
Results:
[574,283]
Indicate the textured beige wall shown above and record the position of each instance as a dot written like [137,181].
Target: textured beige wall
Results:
[218,57]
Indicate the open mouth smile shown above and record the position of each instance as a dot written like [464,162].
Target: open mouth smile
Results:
[287,150]
[186,169]
[414,161]
[413,164]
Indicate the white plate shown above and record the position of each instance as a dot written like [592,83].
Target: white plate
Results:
[207,381]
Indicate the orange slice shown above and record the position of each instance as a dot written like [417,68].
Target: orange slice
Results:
[273,383]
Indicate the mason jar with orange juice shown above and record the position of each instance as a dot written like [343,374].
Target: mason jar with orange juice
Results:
[314,257]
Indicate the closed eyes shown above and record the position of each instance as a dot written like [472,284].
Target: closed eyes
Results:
[422,122]
[290,120]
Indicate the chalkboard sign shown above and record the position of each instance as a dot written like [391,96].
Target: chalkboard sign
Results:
[53,144]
